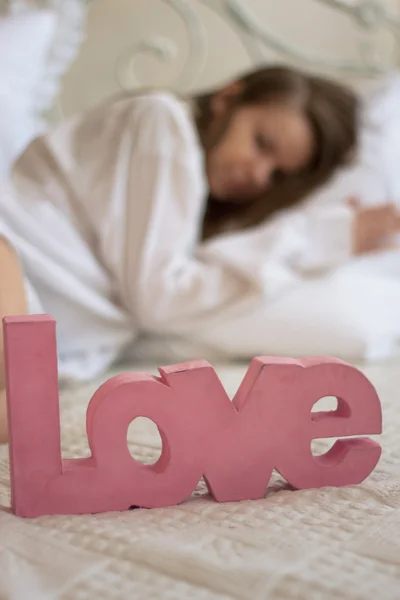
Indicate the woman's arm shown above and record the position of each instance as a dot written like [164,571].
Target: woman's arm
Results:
[182,288]
[12,302]
[164,281]
[178,288]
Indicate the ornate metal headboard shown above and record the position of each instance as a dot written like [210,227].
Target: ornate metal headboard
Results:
[174,43]
[369,15]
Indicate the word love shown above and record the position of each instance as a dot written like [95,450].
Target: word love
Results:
[234,445]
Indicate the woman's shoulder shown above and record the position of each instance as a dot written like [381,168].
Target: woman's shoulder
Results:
[162,115]
[165,103]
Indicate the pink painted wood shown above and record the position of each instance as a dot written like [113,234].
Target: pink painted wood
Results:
[235,445]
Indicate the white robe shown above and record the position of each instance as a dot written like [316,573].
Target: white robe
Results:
[105,213]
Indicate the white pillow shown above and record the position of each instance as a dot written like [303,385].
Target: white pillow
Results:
[36,47]
[374,177]
[67,40]
[25,40]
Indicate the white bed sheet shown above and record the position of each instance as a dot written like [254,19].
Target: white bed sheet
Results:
[317,544]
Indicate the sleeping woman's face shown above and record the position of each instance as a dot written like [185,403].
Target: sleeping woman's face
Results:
[254,145]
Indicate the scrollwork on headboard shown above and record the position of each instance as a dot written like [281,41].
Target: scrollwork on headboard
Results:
[370,16]
[166,49]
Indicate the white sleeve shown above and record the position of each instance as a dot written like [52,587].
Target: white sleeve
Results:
[176,289]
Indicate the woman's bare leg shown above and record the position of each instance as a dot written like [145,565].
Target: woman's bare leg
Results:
[12,302]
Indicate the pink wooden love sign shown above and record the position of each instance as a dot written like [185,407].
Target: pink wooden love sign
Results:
[235,444]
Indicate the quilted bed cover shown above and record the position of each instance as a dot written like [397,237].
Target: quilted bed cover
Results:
[329,543]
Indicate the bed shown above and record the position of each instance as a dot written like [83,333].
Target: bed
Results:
[316,544]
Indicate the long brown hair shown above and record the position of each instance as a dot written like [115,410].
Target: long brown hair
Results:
[332,111]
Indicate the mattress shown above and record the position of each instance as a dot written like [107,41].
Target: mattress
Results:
[327,543]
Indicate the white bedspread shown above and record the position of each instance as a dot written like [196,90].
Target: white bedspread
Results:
[316,544]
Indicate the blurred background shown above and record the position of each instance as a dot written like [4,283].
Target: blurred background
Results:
[197,43]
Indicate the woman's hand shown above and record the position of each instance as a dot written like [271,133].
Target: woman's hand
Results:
[373,226]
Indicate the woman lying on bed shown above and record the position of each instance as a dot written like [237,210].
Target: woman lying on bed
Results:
[157,215]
